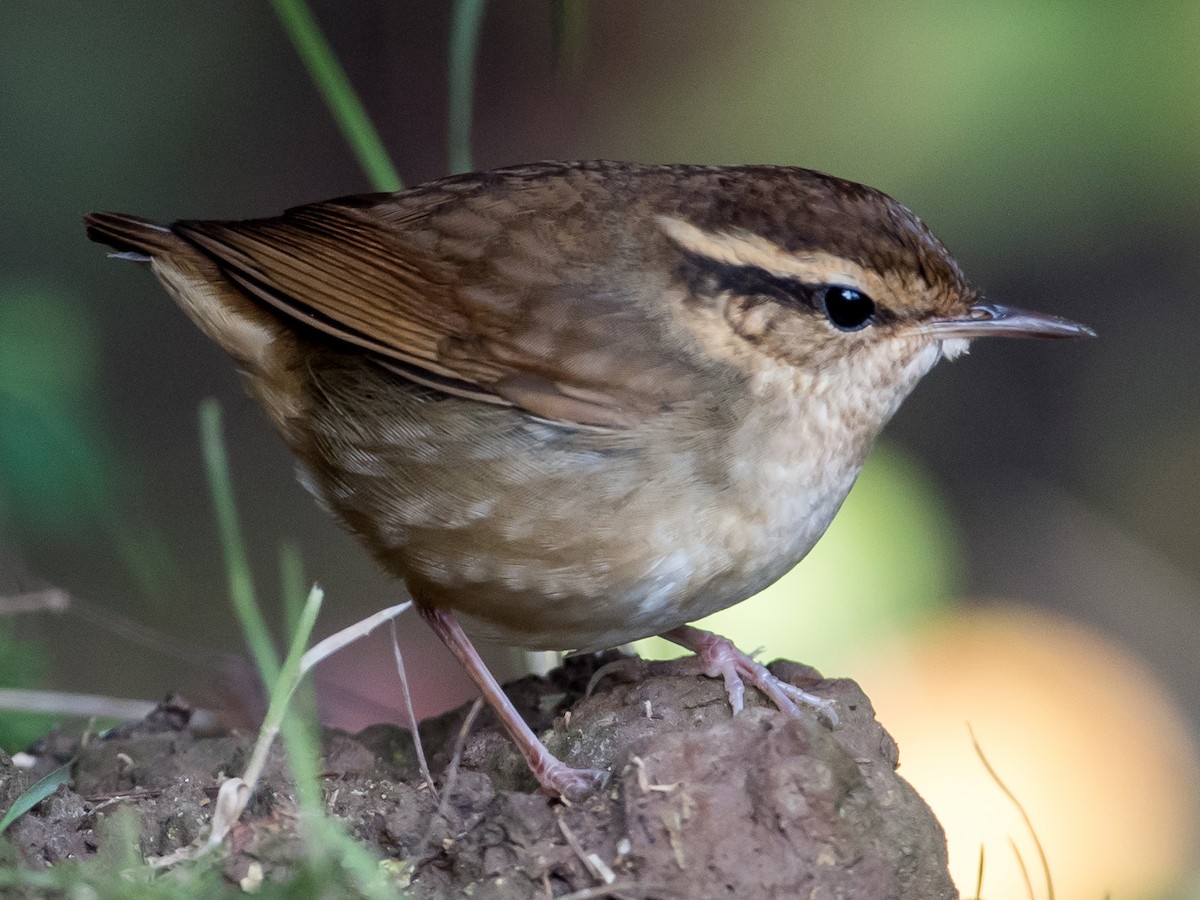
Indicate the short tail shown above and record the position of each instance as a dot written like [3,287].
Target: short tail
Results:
[132,237]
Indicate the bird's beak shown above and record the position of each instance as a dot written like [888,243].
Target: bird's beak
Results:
[991,320]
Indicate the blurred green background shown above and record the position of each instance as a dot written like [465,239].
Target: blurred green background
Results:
[1056,148]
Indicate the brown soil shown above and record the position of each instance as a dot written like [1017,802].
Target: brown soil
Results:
[701,803]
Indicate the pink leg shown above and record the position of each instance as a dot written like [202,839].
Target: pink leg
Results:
[718,656]
[554,776]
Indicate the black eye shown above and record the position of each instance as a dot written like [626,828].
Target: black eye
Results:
[847,308]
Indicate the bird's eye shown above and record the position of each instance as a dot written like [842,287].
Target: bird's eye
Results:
[847,308]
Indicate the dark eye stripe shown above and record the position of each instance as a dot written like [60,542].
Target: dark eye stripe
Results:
[708,276]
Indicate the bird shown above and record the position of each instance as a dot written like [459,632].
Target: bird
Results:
[574,404]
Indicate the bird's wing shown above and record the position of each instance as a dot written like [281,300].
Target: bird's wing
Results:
[467,296]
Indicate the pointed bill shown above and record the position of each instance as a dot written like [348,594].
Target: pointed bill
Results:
[992,320]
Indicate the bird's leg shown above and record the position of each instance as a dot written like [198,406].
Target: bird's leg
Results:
[554,776]
[719,657]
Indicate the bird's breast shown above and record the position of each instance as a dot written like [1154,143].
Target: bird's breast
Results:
[555,538]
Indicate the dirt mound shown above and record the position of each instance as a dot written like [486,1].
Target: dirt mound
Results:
[701,803]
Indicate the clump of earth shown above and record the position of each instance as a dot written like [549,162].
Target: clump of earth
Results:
[701,803]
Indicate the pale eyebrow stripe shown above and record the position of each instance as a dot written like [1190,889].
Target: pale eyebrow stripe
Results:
[747,249]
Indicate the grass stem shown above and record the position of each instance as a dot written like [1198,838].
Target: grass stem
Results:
[339,94]
[241,584]
[466,22]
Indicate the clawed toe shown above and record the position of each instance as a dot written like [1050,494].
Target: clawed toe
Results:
[720,658]
[825,708]
[572,784]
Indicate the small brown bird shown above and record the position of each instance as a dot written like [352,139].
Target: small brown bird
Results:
[581,403]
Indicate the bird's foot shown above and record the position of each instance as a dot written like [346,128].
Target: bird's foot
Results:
[718,657]
[559,779]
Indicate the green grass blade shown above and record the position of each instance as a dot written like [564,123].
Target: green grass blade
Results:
[1024,871]
[339,94]
[1007,791]
[37,792]
[237,565]
[570,17]
[326,839]
[291,577]
[466,21]
[290,673]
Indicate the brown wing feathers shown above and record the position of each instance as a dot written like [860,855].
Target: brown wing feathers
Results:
[340,269]
[128,234]
[342,286]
